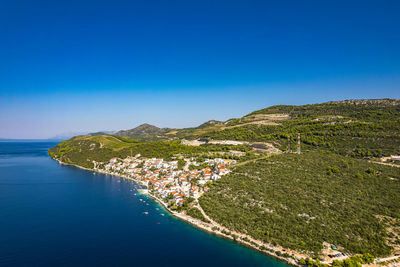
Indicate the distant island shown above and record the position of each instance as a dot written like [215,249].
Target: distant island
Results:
[312,185]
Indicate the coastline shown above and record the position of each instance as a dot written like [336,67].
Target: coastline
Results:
[208,227]
[203,225]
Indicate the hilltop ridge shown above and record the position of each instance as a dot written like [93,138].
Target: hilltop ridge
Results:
[140,131]
[381,101]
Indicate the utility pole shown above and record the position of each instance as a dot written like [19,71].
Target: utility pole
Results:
[298,143]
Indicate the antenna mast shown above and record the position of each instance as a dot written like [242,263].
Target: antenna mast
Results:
[298,143]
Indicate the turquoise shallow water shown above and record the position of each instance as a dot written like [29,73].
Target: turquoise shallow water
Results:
[55,215]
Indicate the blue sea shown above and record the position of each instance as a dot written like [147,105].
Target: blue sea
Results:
[55,215]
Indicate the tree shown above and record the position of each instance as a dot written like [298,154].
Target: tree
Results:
[368,258]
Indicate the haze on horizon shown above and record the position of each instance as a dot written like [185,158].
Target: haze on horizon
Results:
[86,66]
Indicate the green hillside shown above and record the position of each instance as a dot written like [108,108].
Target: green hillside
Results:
[300,201]
[144,132]
[359,129]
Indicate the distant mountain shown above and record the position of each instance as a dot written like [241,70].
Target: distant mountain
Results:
[64,136]
[68,135]
[142,131]
[101,133]
[209,123]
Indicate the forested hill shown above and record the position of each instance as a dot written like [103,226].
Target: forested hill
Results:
[359,128]
[354,108]
[142,131]
[379,102]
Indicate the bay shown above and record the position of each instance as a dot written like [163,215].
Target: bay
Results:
[56,215]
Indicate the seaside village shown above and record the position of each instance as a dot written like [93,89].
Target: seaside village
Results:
[164,178]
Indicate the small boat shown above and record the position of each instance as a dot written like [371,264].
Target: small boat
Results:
[162,214]
[145,212]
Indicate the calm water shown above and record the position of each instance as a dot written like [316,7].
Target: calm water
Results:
[54,215]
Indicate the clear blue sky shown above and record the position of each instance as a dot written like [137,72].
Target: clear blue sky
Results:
[77,65]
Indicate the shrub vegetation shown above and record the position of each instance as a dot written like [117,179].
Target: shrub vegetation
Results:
[294,201]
